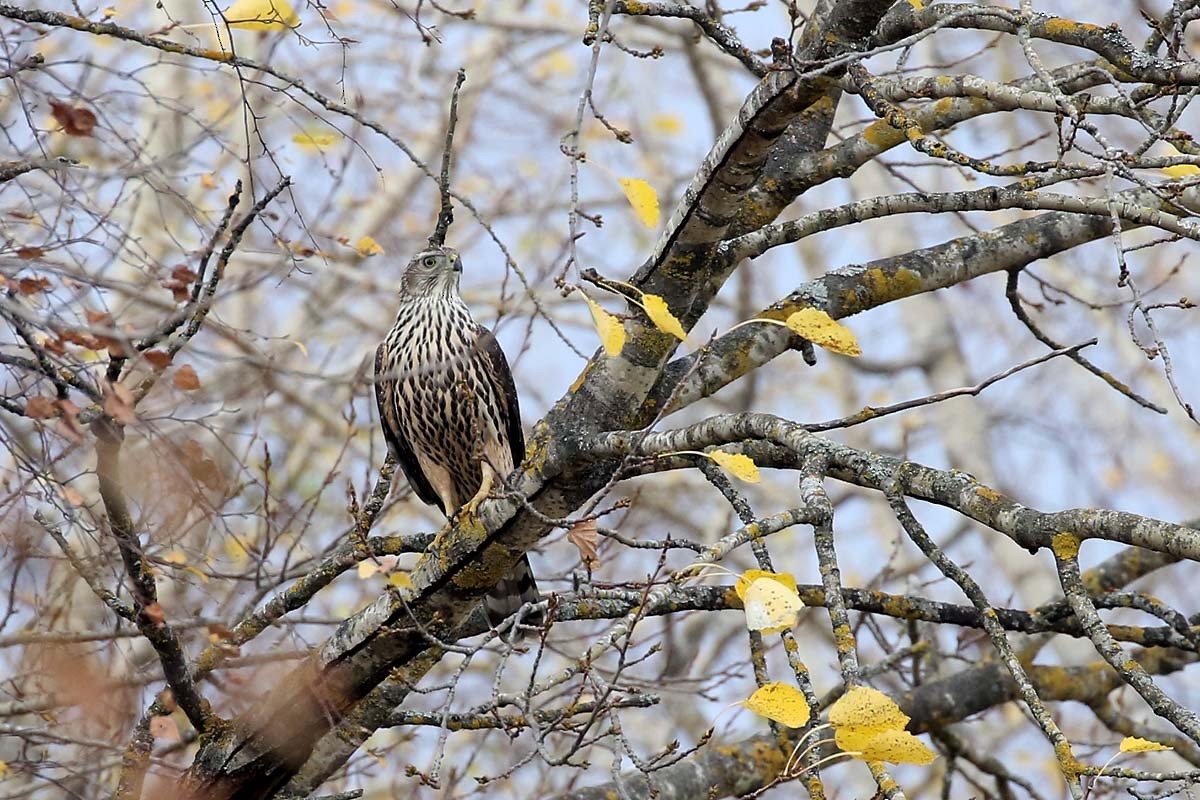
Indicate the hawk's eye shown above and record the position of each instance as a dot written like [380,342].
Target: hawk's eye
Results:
[429,261]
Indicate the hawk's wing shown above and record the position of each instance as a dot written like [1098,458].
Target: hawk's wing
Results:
[510,411]
[385,389]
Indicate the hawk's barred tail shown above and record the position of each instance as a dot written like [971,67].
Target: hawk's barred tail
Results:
[510,594]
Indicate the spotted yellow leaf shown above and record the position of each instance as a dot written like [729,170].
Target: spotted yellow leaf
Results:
[316,140]
[643,198]
[610,329]
[895,747]
[869,723]
[261,15]
[779,702]
[366,246]
[867,709]
[1132,744]
[739,466]
[1180,170]
[751,575]
[661,316]
[821,329]
[770,606]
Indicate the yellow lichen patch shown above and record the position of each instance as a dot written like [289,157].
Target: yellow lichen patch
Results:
[884,288]
[1069,27]
[991,495]
[1065,545]
[485,571]
[880,134]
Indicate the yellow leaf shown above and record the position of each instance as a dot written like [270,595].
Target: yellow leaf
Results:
[661,316]
[643,198]
[316,140]
[612,332]
[235,551]
[176,557]
[868,722]
[917,4]
[864,708]
[400,580]
[5,769]
[557,63]
[779,702]
[751,575]
[739,466]
[667,124]
[1132,744]
[821,329]
[1180,170]
[770,606]
[366,246]
[895,747]
[261,15]
[366,569]
[195,571]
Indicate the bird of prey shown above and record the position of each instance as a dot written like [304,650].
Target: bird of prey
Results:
[448,405]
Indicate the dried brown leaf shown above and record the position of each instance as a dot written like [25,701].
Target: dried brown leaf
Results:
[584,536]
[159,359]
[32,285]
[75,120]
[41,407]
[118,404]
[186,378]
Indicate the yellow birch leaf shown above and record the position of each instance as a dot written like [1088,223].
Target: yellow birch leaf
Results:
[261,15]
[667,124]
[1180,170]
[770,606]
[235,551]
[661,316]
[1132,744]
[751,575]
[366,246]
[779,702]
[610,329]
[821,329]
[195,571]
[739,466]
[868,722]
[316,140]
[917,4]
[895,747]
[5,769]
[867,709]
[400,580]
[366,569]
[643,198]
[176,557]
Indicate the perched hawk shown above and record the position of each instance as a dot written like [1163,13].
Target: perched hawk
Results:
[448,404]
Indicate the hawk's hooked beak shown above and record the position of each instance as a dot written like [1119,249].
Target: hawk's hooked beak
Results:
[456,264]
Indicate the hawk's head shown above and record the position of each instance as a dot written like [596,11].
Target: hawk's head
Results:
[435,270]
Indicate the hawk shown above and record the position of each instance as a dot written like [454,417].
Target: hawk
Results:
[448,405]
